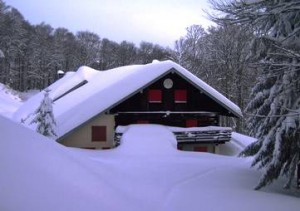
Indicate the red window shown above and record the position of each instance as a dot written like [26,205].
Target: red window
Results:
[98,133]
[200,149]
[180,96]
[155,96]
[191,123]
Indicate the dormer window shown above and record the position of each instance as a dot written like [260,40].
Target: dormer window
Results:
[155,96]
[180,96]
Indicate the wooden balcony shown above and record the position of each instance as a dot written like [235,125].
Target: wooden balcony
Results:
[213,135]
[197,135]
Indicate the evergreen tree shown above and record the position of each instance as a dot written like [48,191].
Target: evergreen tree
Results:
[275,106]
[44,117]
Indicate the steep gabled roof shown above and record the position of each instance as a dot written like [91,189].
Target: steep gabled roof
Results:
[81,95]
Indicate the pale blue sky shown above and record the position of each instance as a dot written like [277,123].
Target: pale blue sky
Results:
[157,21]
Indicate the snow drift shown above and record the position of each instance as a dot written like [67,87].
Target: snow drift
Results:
[10,102]
[142,139]
[39,174]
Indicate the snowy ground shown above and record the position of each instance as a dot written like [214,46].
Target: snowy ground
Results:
[9,101]
[145,173]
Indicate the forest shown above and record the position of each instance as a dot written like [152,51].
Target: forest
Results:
[252,57]
[31,55]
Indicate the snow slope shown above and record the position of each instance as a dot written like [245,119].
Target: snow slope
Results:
[236,145]
[242,140]
[145,173]
[39,174]
[9,101]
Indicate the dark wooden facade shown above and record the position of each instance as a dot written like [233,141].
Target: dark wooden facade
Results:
[193,109]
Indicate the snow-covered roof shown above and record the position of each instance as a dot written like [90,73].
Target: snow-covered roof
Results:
[81,95]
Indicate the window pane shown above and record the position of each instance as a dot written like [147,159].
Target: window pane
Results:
[99,133]
[154,96]
[180,96]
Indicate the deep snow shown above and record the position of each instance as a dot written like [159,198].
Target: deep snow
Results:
[145,172]
[9,101]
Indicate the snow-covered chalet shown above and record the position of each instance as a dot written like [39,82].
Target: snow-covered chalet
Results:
[89,105]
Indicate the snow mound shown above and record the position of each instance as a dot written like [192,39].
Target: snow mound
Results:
[147,139]
[242,140]
[9,101]
[236,145]
[28,94]
[39,174]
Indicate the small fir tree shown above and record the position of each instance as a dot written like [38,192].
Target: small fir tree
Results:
[44,117]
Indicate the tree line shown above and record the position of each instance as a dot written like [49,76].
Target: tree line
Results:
[31,55]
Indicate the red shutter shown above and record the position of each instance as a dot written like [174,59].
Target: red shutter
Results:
[155,96]
[98,133]
[180,96]
[142,122]
[200,149]
[191,123]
